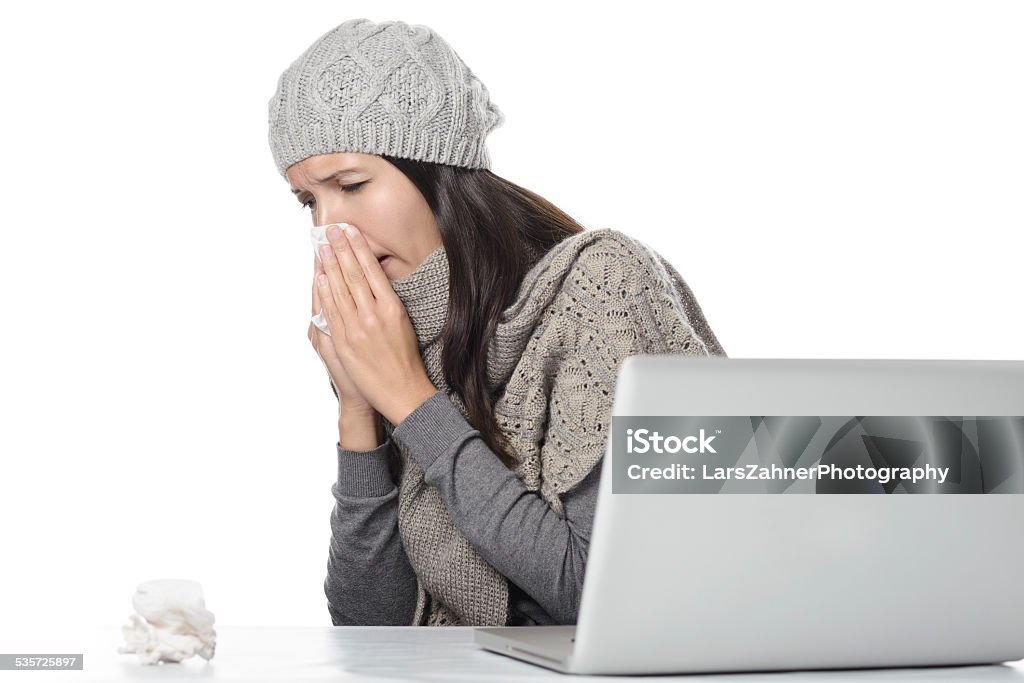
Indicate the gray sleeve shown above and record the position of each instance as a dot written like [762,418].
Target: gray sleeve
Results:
[512,527]
[369,579]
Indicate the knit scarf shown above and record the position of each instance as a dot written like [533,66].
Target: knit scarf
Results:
[595,298]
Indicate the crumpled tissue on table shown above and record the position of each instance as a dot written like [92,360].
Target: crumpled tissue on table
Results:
[172,623]
[318,235]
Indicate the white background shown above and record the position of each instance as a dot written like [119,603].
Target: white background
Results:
[832,180]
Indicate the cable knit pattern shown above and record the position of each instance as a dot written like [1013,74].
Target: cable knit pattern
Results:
[381,88]
[596,298]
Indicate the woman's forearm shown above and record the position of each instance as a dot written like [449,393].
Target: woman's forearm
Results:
[369,578]
[359,430]
[513,528]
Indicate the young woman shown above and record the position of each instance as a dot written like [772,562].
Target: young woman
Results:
[472,332]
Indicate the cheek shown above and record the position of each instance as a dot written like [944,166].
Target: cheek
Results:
[394,217]
[395,202]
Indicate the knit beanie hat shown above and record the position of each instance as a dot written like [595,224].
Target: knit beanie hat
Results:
[381,88]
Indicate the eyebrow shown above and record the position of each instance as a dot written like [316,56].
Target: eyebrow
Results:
[332,176]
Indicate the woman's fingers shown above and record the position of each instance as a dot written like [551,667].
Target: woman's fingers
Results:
[369,279]
[338,289]
[332,312]
[316,271]
[351,271]
[315,303]
[318,308]
[351,268]
[315,298]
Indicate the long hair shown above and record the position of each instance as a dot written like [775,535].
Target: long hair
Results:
[493,232]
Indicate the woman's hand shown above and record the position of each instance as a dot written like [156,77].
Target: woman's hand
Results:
[371,332]
[350,399]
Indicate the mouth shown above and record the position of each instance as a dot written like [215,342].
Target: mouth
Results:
[382,260]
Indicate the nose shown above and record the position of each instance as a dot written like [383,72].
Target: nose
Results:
[326,219]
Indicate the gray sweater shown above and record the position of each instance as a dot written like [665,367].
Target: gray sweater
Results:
[369,578]
[482,539]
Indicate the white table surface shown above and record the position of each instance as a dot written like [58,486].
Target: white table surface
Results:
[380,653]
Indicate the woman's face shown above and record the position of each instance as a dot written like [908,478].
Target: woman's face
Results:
[373,195]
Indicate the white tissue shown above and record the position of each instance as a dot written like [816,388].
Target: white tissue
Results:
[172,623]
[318,235]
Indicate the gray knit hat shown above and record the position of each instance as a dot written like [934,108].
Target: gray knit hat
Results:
[381,88]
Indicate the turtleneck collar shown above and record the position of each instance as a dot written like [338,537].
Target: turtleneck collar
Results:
[424,292]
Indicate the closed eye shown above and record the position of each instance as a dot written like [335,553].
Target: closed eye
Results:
[351,187]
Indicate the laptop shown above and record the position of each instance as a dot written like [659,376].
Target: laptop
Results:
[799,514]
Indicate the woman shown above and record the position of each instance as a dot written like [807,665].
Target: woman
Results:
[472,332]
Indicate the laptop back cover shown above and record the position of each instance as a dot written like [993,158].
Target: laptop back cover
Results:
[729,574]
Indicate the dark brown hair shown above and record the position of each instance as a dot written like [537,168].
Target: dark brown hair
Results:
[493,232]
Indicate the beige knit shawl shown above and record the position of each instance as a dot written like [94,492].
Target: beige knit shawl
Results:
[591,301]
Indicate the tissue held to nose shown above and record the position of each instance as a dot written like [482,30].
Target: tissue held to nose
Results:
[318,235]
[172,623]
